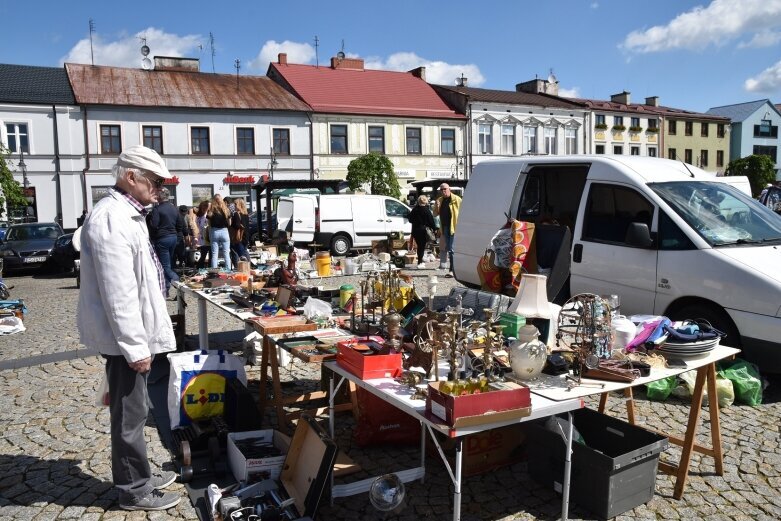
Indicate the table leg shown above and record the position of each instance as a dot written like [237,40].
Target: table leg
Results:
[630,405]
[423,450]
[457,481]
[715,426]
[203,325]
[331,423]
[691,431]
[277,387]
[567,468]
[262,393]
[602,402]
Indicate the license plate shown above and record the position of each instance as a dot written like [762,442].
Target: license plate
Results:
[35,259]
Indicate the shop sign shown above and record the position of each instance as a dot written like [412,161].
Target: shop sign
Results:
[173,181]
[439,174]
[404,172]
[239,180]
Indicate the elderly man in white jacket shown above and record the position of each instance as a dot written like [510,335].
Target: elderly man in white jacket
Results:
[122,314]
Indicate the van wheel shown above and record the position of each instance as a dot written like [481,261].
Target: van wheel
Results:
[340,245]
[716,316]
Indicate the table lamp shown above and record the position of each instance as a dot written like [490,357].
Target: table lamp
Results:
[531,301]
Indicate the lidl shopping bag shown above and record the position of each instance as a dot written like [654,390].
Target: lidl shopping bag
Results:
[196,387]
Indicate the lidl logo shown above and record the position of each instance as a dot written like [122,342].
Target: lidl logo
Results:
[204,396]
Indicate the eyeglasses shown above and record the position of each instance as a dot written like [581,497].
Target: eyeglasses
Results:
[157,182]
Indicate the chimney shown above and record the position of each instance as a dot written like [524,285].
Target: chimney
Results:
[621,97]
[347,63]
[653,101]
[461,81]
[174,63]
[420,72]
[282,58]
[535,86]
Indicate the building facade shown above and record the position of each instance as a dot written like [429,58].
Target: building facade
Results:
[528,121]
[41,127]
[217,133]
[753,130]
[695,138]
[357,111]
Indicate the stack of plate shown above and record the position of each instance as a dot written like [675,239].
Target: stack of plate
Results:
[688,349]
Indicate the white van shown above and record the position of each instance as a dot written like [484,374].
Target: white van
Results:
[667,238]
[342,221]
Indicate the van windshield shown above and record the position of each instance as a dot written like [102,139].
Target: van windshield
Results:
[720,213]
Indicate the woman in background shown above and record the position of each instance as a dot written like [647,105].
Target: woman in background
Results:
[195,233]
[421,219]
[202,222]
[240,229]
[219,220]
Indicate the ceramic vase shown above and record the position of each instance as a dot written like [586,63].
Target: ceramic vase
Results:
[527,353]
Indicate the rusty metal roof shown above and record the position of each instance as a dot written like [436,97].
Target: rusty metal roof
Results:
[99,85]
[512,97]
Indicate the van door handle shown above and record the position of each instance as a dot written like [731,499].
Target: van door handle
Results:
[388,220]
[577,253]
[379,220]
[298,221]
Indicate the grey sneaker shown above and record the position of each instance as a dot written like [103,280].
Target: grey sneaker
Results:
[155,500]
[162,480]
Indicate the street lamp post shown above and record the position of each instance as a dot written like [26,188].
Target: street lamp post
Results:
[459,164]
[272,164]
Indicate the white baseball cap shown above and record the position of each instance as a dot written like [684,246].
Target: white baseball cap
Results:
[144,158]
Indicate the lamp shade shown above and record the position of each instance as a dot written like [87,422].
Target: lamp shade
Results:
[531,301]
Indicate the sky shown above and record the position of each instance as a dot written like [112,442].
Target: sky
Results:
[692,54]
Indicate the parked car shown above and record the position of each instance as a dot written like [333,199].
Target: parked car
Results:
[262,234]
[29,245]
[3,229]
[63,253]
[667,238]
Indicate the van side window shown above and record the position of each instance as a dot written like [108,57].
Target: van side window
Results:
[671,237]
[530,204]
[610,210]
[395,209]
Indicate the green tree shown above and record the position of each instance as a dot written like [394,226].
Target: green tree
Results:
[10,190]
[375,170]
[759,169]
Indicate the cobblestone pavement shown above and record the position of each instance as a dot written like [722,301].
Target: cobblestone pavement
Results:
[54,455]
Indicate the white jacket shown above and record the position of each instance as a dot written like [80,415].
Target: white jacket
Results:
[122,310]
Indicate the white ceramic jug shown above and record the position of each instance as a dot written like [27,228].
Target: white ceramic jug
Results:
[527,353]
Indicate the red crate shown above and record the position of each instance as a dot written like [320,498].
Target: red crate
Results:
[367,367]
[480,408]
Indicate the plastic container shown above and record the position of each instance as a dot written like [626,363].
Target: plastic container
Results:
[345,293]
[615,471]
[323,263]
[350,267]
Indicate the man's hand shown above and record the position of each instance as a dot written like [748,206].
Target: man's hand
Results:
[141,366]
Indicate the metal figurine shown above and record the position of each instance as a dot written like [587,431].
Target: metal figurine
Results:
[584,327]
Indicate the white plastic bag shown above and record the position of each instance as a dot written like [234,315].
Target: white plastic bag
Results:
[196,386]
[102,397]
[316,308]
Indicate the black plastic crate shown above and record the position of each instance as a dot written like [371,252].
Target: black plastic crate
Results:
[614,472]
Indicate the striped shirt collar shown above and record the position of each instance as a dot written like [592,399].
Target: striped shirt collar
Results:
[132,200]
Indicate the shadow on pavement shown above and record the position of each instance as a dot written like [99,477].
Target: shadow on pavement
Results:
[28,480]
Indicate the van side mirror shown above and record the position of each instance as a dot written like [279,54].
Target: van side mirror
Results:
[639,235]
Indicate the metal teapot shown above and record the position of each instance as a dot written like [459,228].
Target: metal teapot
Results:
[527,353]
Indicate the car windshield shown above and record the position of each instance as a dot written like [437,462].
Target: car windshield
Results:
[26,233]
[721,214]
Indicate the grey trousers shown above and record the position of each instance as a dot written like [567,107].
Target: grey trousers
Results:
[129,407]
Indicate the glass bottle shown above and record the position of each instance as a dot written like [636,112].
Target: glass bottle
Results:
[446,387]
[462,384]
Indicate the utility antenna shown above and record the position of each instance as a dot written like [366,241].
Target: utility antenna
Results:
[317,46]
[237,66]
[91,30]
[341,54]
[211,46]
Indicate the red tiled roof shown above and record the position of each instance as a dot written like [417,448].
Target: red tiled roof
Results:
[639,108]
[366,91]
[100,85]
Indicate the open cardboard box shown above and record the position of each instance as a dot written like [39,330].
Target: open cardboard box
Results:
[481,408]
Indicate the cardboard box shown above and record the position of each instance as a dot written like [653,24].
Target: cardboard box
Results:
[282,324]
[481,408]
[367,366]
[485,451]
[242,467]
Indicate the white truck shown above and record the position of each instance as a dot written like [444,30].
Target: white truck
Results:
[667,238]
[341,221]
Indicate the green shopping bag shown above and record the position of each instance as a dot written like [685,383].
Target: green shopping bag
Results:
[745,380]
[660,389]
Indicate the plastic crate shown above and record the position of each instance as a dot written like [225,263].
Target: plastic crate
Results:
[613,473]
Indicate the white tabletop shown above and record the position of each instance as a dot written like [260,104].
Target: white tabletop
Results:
[556,387]
[221,300]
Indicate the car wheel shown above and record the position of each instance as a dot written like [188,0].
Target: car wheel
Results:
[716,316]
[340,245]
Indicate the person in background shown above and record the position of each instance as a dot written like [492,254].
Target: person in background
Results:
[446,208]
[122,315]
[240,229]
[182,240]
[421,219]
[80,220]
[202,220]
[195,233]
[219,220]
[165,226]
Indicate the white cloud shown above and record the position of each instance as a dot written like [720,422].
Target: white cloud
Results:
[296,53]
[762,39]
[436,71]
[702,27]
[574,92]
[125,51]
[768,80]
[594,5]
